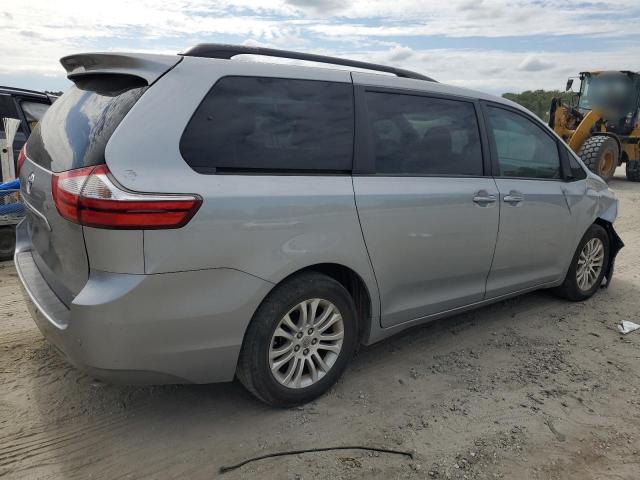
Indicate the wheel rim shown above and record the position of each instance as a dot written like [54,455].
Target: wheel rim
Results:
[608,164]
[590,264]
[306,343]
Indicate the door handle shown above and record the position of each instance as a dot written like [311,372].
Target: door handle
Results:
[483,198]
[513,197]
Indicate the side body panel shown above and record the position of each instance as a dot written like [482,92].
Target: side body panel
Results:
[297,220]
[536,236]
[266,225]
[431,246]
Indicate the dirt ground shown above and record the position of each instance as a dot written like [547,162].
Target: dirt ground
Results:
[530,388]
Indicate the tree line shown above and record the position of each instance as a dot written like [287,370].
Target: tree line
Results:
[538,101]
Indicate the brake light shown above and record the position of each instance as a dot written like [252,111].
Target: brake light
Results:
[88,196]
[22,156]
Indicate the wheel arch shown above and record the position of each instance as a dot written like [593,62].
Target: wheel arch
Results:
[352,282]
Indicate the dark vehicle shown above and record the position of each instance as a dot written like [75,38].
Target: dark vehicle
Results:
[28,106]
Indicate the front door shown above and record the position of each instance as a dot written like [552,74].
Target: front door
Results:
[536,227]
[428,214]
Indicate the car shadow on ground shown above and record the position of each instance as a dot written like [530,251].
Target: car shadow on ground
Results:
[221,423]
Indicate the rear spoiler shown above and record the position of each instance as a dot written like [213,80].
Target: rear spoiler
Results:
[147,66]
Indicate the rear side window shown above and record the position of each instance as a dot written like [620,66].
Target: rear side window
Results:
[415,135]
[265,124]
[74,131]
[524,149]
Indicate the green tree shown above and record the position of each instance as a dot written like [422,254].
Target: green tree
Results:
[538,101]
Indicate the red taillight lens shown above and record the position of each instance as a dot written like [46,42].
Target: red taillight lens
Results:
[89,197]
[22,156]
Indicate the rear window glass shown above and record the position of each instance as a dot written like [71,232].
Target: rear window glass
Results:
[75,130]
[264,124]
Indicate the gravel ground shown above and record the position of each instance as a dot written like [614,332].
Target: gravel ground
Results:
[530,388]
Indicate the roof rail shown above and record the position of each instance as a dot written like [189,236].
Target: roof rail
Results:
[218,50]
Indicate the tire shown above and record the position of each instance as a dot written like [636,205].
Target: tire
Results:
[570,288]
[254,365]
[601,155]
[633,170]
[7,243]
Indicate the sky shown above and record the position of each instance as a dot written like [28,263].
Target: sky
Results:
[495,46]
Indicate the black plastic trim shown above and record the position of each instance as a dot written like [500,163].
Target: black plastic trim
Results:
[270,171]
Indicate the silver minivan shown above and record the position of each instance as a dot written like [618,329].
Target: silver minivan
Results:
[197,217]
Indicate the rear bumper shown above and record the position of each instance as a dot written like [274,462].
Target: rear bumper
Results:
[184,327]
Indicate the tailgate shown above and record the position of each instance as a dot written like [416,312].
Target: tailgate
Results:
[57,245]
[72,134]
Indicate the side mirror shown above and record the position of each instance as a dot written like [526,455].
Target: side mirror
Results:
[569,84]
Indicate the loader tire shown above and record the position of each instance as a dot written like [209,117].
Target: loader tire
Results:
[633,170]
[600,154]
[7,243]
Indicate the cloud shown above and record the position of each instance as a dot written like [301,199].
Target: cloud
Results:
[322,7]
[400,54]
[469,4]
[492,70]
[533,64]
[546,39]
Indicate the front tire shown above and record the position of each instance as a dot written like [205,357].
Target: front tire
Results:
[588,266]
[299,341]
[600,154]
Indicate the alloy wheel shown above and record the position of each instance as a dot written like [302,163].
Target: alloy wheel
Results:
[306,343]
[590,264]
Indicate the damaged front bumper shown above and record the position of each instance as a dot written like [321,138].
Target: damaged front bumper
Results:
[616,245]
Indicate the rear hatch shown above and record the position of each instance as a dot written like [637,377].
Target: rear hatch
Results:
[73,134]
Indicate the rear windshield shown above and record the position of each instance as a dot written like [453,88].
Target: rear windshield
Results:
[76,128]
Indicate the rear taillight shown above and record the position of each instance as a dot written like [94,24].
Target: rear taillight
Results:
[22,156]
[88,196]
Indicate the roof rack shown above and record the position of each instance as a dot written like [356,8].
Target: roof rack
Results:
[218,50]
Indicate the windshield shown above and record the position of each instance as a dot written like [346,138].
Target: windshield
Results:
[613,93]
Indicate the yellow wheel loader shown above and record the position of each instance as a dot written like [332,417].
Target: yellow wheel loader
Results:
[603,125]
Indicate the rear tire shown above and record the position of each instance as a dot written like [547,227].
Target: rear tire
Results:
[269,333]
[7,243]
[573,288]
[600,154]
[633,170]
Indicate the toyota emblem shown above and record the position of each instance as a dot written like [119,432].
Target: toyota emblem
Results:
[30,180]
